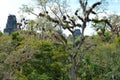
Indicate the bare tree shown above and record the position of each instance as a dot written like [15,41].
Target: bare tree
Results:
[58,14]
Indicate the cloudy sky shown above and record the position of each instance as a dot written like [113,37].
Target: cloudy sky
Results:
[12,7]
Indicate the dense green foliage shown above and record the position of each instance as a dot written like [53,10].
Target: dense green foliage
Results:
[28,58]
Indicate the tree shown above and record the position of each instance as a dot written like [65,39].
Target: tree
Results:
[47,29]
[114,21]
[50,60]
[101,61]
[63,19]
[14,52]
[108,27]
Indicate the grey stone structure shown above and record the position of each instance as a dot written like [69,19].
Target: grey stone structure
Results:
[11,25]
[77,32]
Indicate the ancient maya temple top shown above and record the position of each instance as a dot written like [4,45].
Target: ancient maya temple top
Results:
[11,25]
[77,32]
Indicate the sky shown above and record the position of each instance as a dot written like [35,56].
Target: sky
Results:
[8,7]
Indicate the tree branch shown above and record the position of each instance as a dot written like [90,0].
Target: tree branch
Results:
[82,5]
[103,20]
[88,47]
[93,6]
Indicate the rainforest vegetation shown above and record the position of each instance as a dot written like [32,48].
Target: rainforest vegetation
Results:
[39,50]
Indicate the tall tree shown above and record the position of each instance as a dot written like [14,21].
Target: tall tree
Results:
[55,11]
[107,26]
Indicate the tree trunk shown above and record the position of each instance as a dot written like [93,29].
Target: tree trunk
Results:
[73,60]
[72,70]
